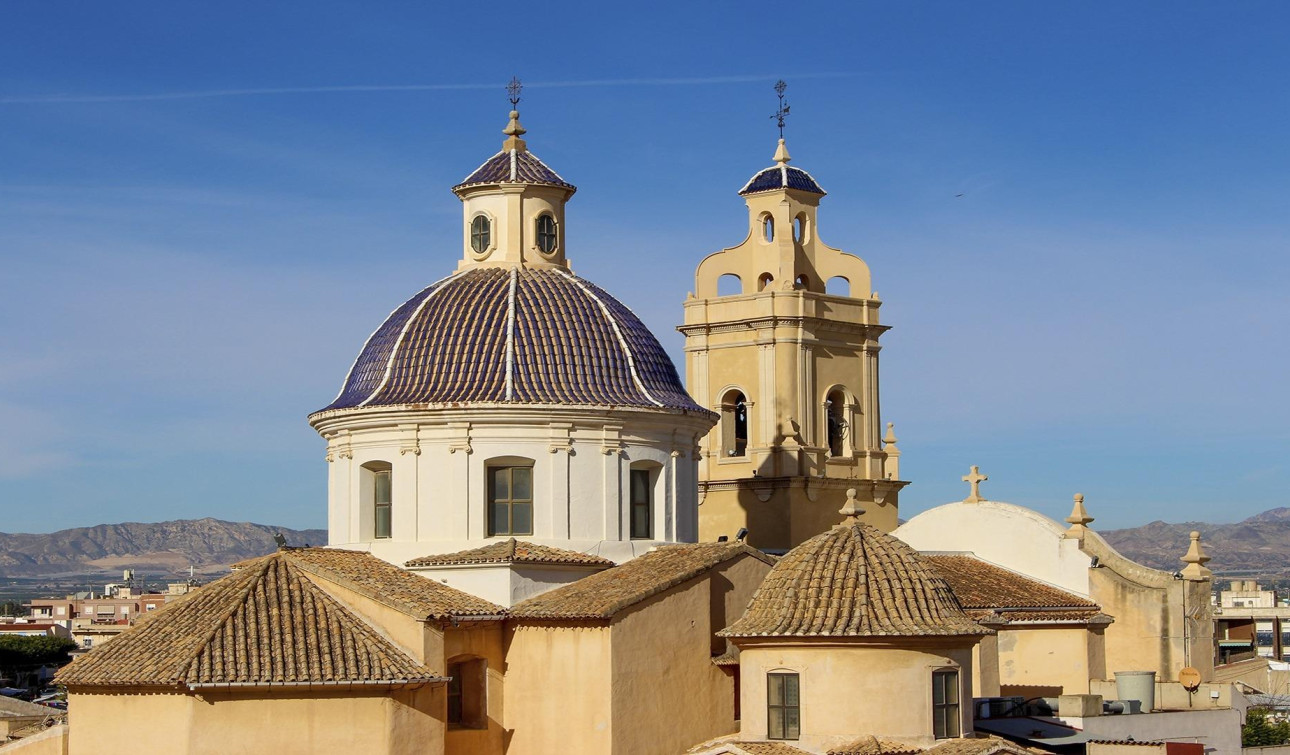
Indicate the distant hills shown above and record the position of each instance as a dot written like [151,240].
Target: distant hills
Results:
[156,550]
[1256,547]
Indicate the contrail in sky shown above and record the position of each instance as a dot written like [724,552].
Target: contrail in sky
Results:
[212,93]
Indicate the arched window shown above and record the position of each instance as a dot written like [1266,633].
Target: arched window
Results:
[729,285]
[644,475]
[510,497]
[378,493]
[734,424]
[768,227]
[546,233]
[838,286]
[765,281]
[468,694]
[804,282]
[799,228]
[945,703]
[481,234]
[836,417]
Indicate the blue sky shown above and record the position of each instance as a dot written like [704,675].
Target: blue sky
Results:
[205,209]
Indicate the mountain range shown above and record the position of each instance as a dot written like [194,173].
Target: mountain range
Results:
[158,549]
[1257,546]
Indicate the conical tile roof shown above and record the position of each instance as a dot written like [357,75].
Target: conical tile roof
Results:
[853,581]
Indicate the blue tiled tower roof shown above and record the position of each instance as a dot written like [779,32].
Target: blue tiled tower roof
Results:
[514,166]
[514,335]
[781,177]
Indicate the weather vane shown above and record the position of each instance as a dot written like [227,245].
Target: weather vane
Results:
[782,112]
[513,89]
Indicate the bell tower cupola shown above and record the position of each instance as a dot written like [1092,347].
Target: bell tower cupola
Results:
[513,205]
[782,340]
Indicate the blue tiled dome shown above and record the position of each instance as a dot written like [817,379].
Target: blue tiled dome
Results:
[781,177]
[520,335]
[514,166]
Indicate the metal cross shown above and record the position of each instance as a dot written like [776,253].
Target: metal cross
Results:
[513,89]
[975,479]
[782,112]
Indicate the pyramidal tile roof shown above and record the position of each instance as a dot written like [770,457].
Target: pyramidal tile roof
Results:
[266,624]
[853,581]
[512,551]
[779,177]
[514,166]
[604,594]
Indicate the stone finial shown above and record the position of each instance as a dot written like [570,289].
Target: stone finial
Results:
[1196,560]
[851,510]
[892,464]
[513,133]
[1079,518]
[781,153]
[975,478]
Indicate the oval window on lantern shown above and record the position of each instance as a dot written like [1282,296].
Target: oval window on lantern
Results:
[546,234]
[481,234]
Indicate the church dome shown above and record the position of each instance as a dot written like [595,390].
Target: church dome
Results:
[854,581]
[520,335]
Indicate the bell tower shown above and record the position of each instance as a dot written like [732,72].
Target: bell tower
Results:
[782,340]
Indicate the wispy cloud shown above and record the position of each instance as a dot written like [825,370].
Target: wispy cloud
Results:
[360,88]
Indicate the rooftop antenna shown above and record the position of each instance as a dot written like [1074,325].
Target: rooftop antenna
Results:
[782,112]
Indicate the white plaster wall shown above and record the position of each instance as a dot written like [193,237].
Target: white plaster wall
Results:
[505,584]
[581,461]
[1001,533]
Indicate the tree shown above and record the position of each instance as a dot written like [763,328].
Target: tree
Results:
[26,653]
[1259,731]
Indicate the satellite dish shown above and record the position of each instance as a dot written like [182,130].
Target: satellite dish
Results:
[1189,678]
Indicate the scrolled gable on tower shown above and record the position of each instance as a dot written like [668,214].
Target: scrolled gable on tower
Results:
[512,398]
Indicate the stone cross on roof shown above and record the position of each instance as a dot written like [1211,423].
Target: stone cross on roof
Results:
[974,479]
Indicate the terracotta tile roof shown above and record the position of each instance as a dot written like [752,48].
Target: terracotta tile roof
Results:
[601,595]
[768,748]
[527,336]
[986,590]
[853,581]
[412,594]
[265,624]
[513,551]
[874,746]
[987,745]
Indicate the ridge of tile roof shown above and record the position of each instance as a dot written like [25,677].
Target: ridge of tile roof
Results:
[980,745]
[411,594]
[853,581]
[512,551]
[570,344]
[604,594]
[871,745]
[514,166]
[987,590]
[267,624]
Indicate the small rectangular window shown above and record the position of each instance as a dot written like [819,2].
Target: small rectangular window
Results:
[641,504]
[381,503]
[468,694]
[945,704]
[510,501]
[783,707]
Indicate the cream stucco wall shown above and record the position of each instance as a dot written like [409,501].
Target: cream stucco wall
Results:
[852,689]
[1037,660]
[558,689]
[395,722]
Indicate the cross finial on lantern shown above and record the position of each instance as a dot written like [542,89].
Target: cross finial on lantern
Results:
[974,479]
[513,90]
[782,112]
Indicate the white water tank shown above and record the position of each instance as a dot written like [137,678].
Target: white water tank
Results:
[1137,685]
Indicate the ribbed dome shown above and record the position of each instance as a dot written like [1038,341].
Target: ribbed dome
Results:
[853,581]
[781,177]
[513,335]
